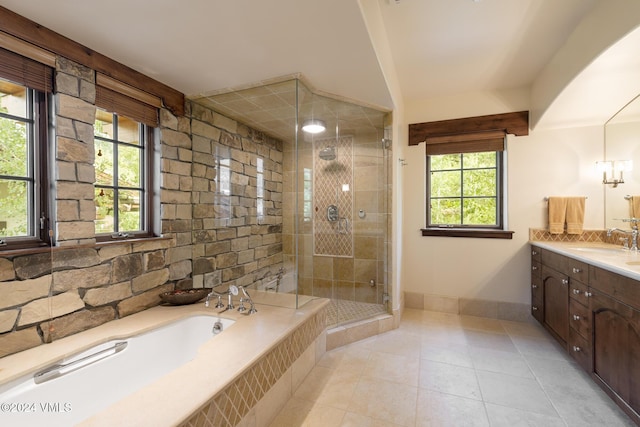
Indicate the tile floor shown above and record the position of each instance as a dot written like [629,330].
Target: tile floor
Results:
[440,369]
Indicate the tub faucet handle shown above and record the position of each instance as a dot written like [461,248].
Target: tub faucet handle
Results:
[248,299]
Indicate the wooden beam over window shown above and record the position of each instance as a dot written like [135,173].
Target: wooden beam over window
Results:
[512,123]
[31,32]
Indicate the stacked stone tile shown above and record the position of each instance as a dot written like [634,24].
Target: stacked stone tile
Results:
[207,239]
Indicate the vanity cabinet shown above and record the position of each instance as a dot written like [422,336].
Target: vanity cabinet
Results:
[615,311]
[595,314]
[553,278]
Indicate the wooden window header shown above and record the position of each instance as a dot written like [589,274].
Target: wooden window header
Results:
[45,39]
[509,123]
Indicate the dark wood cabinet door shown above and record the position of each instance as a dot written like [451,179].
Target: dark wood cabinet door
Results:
[556,302]
[616,347]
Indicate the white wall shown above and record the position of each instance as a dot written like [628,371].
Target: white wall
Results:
[545,163]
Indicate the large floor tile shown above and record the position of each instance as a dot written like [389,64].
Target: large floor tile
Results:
[514,392]
[385,400]
[391,367]
[450,379]
[453,354]
[447,370]
[502,416]
[490,340]
[438,409]
[302,413]
[356,420]
[503,362]
[595,411]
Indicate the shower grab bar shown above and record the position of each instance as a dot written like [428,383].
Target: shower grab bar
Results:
[59,370]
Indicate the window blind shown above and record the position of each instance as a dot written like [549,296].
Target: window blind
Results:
[25,71]
[115,102]
[475,142]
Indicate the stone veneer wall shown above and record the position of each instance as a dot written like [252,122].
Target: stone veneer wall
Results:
[79,285]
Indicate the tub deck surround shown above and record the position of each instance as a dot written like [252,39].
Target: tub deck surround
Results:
[604,255]
[176,396]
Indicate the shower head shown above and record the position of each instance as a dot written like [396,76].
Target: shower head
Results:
[328,153]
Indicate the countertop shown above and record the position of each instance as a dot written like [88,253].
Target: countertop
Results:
[604,255]
[218,361]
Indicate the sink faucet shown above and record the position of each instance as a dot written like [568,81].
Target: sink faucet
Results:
[633,233]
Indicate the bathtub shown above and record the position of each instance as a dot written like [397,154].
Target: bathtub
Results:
[79,386]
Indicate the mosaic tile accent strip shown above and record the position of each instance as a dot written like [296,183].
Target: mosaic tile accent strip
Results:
[333,185]
[343,311]
[543,235]
[231,405]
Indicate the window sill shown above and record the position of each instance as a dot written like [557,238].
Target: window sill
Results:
[468,232]
[9,252]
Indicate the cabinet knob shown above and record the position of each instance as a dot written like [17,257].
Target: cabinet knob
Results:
[587,294]
[576,348]
[565,282]
[534,268]
[534,253]
[534,286]
[576,317]
[534,308]
[577,270]
[576,291]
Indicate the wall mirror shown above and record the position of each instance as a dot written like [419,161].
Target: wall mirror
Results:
[622,142]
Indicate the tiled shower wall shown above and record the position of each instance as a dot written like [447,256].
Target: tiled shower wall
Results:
[207,240]
[346,278]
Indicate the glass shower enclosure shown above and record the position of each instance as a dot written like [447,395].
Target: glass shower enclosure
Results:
[335,193]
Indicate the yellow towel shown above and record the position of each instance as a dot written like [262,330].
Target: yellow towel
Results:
[634,206]
[557,212]
[575,215]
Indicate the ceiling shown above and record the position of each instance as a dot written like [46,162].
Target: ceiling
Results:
[203,47]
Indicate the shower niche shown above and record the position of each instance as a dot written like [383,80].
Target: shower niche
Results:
[330,178]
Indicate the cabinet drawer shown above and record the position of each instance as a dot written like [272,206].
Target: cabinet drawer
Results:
[579,292]
[621,288]
[579,318]
[536,254]
[580,350]
[536,289]
[536,268]
[537,311]
[573,268]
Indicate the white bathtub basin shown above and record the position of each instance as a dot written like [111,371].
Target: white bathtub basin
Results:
[86,388]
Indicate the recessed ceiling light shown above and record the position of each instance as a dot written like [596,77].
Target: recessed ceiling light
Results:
[313,126]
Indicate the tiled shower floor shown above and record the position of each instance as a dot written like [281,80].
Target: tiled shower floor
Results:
[447,370]
[343,311]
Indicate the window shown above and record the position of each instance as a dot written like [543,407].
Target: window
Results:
[24,85]
[465,185]
[465,190]
[122,184]
[124,137]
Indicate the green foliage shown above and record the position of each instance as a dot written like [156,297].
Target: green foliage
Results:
[13,162]
[463,189]
[107,200]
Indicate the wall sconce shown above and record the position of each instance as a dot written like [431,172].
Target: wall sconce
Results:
[613,171]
